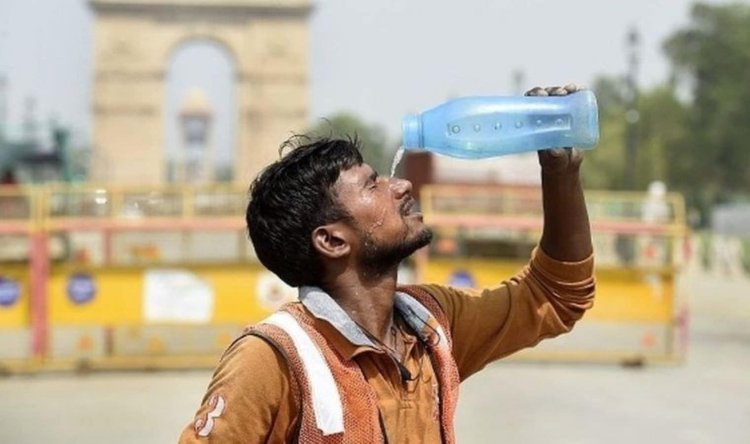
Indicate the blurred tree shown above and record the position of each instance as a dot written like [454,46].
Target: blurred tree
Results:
[373,139]
[605,165]
[713,54]
[661,132]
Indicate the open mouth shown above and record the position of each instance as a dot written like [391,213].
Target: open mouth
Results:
[409,207]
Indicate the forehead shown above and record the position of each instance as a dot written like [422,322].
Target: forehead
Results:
[356,175]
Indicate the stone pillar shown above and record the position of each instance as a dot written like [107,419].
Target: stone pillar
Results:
[128,95]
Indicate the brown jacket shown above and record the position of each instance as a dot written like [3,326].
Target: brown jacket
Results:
[250,397]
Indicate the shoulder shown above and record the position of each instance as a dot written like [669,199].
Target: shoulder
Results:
[444,302]
[256,357]
[255,370]
[447,298]
[249,398]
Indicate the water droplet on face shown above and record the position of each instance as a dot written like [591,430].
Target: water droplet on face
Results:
[455,129]
[477,128]
[539,122]
[498,125]
[378,223]
[519,124]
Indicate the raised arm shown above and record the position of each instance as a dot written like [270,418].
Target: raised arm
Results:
[567,234]
[551,293]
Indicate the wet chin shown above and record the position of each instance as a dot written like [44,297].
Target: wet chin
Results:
[421,239]
[383,256]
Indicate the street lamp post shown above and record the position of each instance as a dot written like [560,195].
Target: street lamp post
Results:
[631,114]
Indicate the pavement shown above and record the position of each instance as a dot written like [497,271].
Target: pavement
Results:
[705,400]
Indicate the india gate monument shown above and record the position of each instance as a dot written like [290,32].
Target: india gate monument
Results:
[133,43]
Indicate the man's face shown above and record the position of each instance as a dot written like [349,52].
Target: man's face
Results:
[385,216]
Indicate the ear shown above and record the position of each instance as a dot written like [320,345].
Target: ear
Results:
[332,240]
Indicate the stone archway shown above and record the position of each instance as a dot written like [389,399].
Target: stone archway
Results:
[132,44]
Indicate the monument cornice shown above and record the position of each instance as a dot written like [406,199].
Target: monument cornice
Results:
[249,8]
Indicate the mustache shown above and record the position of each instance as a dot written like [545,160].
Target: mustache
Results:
[407,205]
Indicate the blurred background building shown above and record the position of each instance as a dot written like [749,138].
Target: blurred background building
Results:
[30,153]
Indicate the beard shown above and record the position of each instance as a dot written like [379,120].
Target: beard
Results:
[379,258]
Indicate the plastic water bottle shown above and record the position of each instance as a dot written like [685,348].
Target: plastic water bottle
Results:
[480,127]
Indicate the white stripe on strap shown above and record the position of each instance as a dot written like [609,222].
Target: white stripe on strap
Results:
[443,338]
[329,413]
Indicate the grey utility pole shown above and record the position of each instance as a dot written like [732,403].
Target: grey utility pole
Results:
[631,115]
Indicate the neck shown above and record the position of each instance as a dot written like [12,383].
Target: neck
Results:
[367,299]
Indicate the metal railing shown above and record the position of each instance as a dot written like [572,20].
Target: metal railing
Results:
[502,207]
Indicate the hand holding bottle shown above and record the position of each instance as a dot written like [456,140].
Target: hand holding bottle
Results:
[482,127]
[563,159]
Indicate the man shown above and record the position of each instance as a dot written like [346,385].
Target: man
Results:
[358,359]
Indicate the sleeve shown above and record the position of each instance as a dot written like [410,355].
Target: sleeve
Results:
[544,300]
[249,398]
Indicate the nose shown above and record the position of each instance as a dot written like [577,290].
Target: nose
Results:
[400,187]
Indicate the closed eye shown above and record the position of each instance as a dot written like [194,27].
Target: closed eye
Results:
[372,181]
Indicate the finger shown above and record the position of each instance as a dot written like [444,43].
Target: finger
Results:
[558,91]
[553,152]
[562,151]
[573,87]
[576,155]
[560,159]
[536,91]
[559,152]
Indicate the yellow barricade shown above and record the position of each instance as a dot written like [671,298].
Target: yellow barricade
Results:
[115,277]
[486,233]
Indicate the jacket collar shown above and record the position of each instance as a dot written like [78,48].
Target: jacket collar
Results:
[322,306]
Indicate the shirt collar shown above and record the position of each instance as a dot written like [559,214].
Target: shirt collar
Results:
[322,306]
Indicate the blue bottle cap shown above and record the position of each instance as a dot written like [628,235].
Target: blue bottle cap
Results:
[411,126]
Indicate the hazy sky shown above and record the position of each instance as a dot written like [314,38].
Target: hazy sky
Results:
[380,59]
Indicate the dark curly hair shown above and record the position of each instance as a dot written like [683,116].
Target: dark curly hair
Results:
[292,197]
